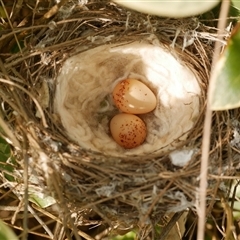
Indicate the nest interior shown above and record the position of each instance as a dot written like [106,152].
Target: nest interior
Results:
[93,190]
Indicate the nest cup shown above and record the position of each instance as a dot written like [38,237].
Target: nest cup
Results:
[94,188]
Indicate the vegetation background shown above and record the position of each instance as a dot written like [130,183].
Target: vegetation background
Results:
[225,94]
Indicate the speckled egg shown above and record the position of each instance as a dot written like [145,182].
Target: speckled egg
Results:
[128,130]
[133,96]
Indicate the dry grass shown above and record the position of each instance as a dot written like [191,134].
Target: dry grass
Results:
[97,195]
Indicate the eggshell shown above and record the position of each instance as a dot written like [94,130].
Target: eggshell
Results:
[133,96]
[128,130]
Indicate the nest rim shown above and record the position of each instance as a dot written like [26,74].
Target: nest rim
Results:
[56,155]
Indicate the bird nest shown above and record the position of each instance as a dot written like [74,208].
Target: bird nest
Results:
[97,192]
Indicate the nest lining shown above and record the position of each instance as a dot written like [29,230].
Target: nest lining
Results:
[87,80]
[123,193]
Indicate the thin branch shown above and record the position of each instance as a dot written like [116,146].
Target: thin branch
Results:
[207,129]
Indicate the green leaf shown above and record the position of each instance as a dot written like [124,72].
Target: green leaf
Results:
[15,48]
[2,13]
[6,159]
[4,147]
[6,233]
[129,236]
[170,8]
[225,88]
[236,3]
[41,200]
[236,209]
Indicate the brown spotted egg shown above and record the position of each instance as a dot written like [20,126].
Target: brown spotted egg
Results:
[133,96]
[128,130]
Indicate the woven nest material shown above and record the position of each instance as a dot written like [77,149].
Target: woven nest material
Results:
[91,188]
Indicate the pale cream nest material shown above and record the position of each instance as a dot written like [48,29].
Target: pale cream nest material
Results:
[122,192]
[84,100]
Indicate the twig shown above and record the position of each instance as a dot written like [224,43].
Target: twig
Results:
[156,200]
[207,129]
[165,231]
[17,9]
[44,122]
[11,137]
